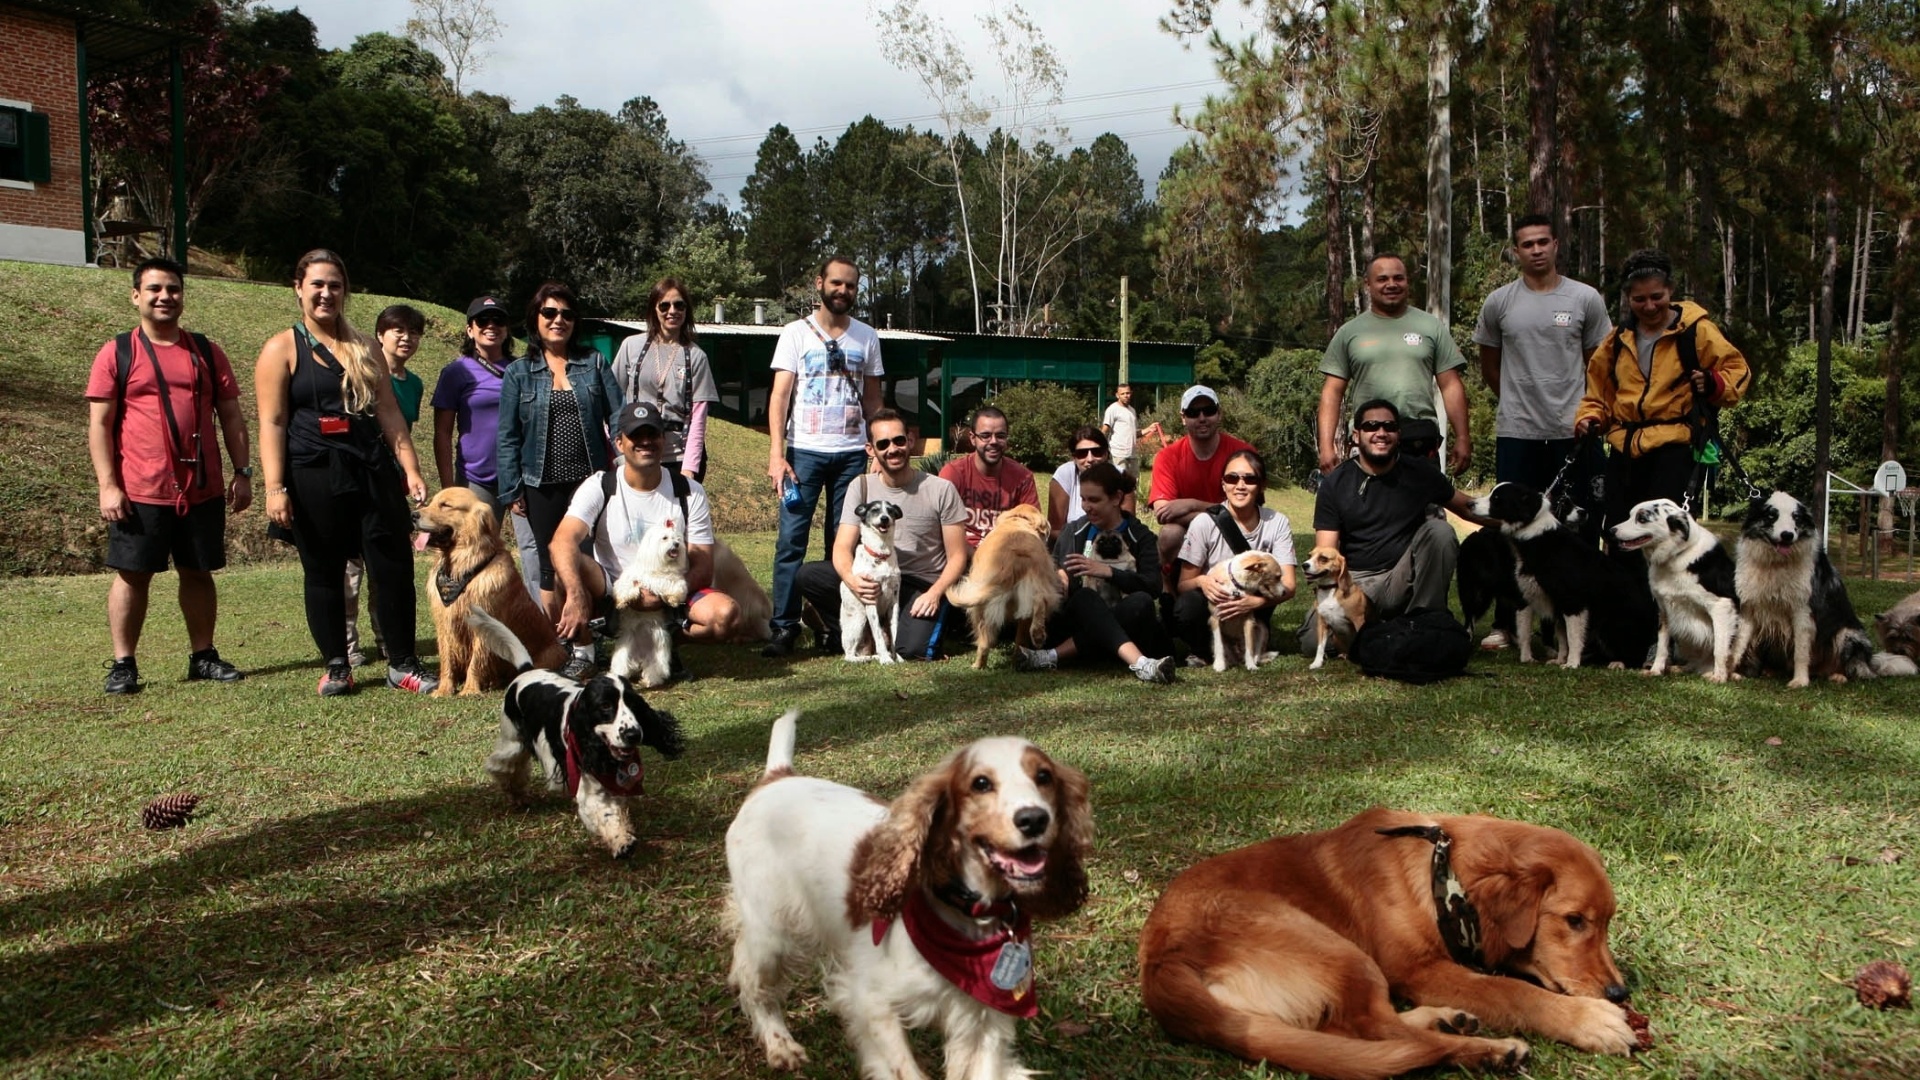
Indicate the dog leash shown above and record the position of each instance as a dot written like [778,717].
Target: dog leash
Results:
[1560,477]
[1459,921]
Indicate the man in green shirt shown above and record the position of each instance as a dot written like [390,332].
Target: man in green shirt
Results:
[1393,353]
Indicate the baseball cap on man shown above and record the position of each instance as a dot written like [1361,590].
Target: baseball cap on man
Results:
[485,305]
[1195,393]
[640,414]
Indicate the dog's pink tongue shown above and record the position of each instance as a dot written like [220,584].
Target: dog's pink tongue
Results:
[419,541]
[1026,866]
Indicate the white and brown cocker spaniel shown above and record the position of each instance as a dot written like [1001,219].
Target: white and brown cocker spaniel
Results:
[917,912]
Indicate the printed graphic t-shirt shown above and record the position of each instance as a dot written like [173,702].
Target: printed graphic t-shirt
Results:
[826,415]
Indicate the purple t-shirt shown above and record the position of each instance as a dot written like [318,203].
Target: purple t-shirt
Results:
[473,393]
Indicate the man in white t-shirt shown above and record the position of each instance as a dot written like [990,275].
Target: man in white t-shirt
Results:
[826,382]
[1122,426]
[643,494]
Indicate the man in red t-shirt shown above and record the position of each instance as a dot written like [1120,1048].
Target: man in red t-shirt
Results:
[1186,475]
[157,461]
[988,481]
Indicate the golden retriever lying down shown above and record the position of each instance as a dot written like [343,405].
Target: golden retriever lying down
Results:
[1011,578]
[1292,950]
[473,568]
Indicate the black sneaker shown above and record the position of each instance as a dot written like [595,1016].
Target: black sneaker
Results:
[206,664]
[579,668]
[780,645]
[826,642]
[410,675]
[339,678]
[123,676]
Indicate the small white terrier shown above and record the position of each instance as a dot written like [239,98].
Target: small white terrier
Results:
[645,651]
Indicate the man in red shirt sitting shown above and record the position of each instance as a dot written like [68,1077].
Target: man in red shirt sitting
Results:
[1186,475]
[988,480]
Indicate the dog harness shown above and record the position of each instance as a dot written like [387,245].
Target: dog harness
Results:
[624,780]
[451,588]
[996,971]
[1459,922]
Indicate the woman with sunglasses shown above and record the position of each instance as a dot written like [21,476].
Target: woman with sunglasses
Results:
[665,367]
[466,408]
[1241,523]
[1090,447]
[556,405]
[339,466]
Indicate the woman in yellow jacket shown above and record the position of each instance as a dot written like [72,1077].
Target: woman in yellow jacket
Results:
[1642,386]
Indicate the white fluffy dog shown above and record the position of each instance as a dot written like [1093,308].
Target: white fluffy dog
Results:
[873,626]
[1691,576]
[645,651]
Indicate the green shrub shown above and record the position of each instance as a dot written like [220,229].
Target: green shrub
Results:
[1041,418]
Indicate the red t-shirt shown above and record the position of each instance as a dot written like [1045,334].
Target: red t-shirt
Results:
[148,470]
[985,496]
[1177,474]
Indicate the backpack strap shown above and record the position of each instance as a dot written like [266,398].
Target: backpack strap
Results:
[609,477]
[1230,533]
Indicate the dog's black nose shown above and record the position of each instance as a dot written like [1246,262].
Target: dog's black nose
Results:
[1032,821]
[1617,994]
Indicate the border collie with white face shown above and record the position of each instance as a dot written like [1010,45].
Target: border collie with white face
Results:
[1794,610]
[1691,576]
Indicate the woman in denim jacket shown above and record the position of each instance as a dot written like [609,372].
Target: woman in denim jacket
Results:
[557,404]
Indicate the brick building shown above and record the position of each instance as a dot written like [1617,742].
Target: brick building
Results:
[48,52]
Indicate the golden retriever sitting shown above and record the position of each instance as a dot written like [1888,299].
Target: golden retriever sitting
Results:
[754,606]
[473,569]
[1293,950]
[1250,573]
[1012,577]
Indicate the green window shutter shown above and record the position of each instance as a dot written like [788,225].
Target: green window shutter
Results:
[37,143]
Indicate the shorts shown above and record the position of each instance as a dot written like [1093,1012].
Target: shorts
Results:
[144,541]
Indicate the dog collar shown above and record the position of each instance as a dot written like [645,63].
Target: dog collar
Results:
[623,780]
[957,895]
[878,556]
[449,587]
[1245,589]
[1459,922]
[996,971]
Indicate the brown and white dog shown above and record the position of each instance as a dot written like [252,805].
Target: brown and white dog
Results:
[1899,627]
[1250,573]
[1339,606]
[917,911]
[473,570]
[1292,951]
[1011,579]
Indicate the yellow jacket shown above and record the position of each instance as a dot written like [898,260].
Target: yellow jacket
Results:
[1639,413]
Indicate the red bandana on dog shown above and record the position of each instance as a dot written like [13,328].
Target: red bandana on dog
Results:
[966,963]
[624,780]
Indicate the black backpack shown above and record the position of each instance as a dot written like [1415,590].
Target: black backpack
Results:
[1423,646]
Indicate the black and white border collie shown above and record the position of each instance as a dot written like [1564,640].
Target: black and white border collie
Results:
[1794,610]
[1691,576]
[1566,578]
[603,722]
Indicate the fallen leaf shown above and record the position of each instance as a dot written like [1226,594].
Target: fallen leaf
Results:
[1774,740]
[1844,860]
[1071,1029]
[901,694]
[1889,856]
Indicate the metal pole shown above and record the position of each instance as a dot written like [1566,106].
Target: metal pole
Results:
[1126,328]
[178,99]
[86,139]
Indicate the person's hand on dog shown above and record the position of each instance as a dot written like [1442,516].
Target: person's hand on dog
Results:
[865,588]
[1080,564]
[1238,606]
[1217,592]
[114,504]
[926,605]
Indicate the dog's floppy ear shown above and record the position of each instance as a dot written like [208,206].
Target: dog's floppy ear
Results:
[1066,884]
[894,511]
[1680,525]
[887,862]
[861,510]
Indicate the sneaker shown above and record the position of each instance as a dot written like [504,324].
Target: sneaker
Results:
[579,668]
[826,642]
[339,678]
[780,645]
[1495,641]
[123,676]
[1154,670]
[206,664]
[1025,659]
[356,658]
[408,674]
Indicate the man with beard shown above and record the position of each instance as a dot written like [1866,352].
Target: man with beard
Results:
[930,540]
[987,480]
[826,383]
[1394,353]
[1377,510]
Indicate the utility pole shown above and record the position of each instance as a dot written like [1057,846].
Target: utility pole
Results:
[1126,330]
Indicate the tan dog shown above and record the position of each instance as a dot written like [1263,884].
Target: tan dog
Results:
[1012,578]
[473,569]
[731,576]
[1339,607]
[1250,573]
[1293,950]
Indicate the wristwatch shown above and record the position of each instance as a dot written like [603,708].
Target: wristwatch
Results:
[247,472]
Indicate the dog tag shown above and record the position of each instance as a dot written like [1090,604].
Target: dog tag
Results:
[1013,967]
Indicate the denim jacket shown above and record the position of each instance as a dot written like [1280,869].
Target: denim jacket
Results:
[526,395]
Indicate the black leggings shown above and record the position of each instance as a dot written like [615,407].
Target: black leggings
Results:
[1665,472]
[546,505]
[333,522]
[1098,631]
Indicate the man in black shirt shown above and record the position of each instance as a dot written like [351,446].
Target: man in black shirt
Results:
[1381,510]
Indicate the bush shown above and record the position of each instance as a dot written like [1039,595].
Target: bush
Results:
[1041,418]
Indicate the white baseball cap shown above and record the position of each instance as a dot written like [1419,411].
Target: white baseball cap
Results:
[1195,393]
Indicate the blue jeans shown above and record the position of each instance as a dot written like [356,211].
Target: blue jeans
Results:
[812,473]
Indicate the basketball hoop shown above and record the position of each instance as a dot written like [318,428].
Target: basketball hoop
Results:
[1908,498]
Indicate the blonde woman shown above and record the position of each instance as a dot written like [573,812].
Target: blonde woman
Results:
[338,465]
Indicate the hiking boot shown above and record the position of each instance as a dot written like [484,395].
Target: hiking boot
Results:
[780,645]
[1154,670]
[1025,659]
[408,674]
[826,642]
[206,664]
[579,668]
[123,676]
[339,678]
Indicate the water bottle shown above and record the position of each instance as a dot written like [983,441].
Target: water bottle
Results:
[789,494]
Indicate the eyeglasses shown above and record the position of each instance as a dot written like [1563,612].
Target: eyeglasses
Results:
[896,443]
[1083,451]
[1378,425]
[557,314]
[836,357]
[1239,478]
[989,436]
[665,306]
[1199,411]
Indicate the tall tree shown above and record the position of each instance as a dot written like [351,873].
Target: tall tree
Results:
[783,226]
[460,29]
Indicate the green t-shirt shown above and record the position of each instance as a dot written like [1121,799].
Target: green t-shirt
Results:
[1396,359]
[407,390]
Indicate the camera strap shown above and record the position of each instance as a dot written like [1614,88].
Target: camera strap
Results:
[178,443]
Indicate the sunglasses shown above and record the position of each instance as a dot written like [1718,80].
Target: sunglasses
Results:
[1199,411]
[665,306]
[836,357]
[1083,451]
[1240,478]
[896,443]
[989,436]
[557,314]
[485,321]
[1378,425]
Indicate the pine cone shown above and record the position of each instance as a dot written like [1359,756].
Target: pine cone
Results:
[1884,984]
[169,811]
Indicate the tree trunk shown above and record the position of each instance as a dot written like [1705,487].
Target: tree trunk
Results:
[1829,267]
[1896,339]
[1543,99]
[1440,173]
[1336,228]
